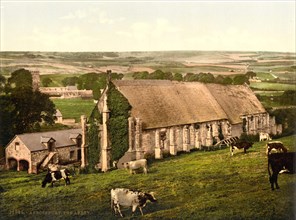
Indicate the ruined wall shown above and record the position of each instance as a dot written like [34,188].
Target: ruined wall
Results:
[67,154]
[176,138]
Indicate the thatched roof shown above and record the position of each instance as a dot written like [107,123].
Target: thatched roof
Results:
[236,101]
[163,103]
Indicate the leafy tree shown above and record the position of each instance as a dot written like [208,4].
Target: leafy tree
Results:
[178,77]
[46,81]
[21,78]
[22,109]
[227,81]
[141,75]
[219,79]
[206,77]
[250,74]
[189,77]
[158,74]
[70,81]
[288,98]
[240,79]
[7,120]
[2,83]
[31,107]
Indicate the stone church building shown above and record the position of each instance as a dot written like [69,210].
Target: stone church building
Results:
[180,116]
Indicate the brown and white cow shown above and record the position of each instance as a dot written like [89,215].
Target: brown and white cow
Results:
[278,162]
[240,145]
[129,198]
[134,165]
[275,146]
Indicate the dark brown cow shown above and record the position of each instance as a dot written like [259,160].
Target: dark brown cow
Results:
[275,145]
[278,162]
[240,145]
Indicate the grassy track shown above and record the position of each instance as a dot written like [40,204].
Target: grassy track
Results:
[75,107]
[199,185]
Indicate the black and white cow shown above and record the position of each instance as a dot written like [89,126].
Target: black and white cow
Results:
[279,162]
[129,198]
[53,176]
[240,145]
[275,146]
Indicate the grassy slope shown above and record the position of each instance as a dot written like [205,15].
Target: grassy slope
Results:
[74,107]
[199,185]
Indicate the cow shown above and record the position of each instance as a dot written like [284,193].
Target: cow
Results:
[53,176]
[130,198]
[240,145]
[264,136]
[278,162]
[132,166]
[275,145]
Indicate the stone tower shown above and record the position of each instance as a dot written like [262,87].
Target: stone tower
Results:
[35,80]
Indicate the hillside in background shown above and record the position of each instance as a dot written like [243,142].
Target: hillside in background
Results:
[216,62]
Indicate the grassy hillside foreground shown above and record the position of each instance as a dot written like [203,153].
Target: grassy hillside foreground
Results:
[199,185]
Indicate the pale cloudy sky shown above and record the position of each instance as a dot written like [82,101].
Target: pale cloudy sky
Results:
[147,25]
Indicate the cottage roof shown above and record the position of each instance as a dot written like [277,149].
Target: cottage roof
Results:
[163,103]
[62,138]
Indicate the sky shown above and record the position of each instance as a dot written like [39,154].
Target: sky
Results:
[73,26]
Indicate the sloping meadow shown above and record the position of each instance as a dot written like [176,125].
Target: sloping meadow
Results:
[196,185]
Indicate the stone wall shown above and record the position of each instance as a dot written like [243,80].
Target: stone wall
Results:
[17,151]
[176,138]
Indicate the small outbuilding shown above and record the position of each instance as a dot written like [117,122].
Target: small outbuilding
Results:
[32,151]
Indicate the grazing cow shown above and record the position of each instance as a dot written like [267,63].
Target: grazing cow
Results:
[278,162]
[264,137]
[135,165]
[53,176]
[275,145]
[129,198]
[240,145]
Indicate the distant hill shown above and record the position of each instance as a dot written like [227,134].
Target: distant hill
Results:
[216,62]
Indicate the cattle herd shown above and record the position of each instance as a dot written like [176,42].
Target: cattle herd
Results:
[279,161]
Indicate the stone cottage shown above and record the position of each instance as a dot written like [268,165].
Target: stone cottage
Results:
[179,116]
[34,150]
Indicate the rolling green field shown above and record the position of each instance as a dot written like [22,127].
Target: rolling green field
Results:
[272,86]
[74,107]
[196,185]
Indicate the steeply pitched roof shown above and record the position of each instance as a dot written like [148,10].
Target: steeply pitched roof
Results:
[163,103]
[236,100]
[62,138]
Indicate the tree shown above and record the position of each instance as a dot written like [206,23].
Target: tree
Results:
[250,74]
[2,83]
[21,78]
[240,79]
[30,108]
[206,77]
[178,77]
[70,81]
[22,109]
[227,81]
[46,81]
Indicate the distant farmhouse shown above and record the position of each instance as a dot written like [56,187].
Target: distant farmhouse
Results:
[36,150]
[180,116]
[66,92]
[61,92]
